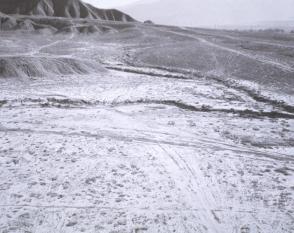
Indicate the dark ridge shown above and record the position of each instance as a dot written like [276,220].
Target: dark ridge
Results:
[137,71]
[228,83]
[255,95]
[206,108]
[61,8]
[78,103]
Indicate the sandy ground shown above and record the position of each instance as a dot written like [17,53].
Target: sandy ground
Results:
[189,143]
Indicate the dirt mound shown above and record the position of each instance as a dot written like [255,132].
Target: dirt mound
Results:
[61,8]
[43,66]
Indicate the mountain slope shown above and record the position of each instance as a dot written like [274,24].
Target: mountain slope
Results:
[61,8]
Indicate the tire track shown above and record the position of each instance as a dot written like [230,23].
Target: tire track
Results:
[197,142]
[261,59]
[199,193]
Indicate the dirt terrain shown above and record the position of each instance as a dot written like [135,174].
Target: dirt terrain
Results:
[146,128]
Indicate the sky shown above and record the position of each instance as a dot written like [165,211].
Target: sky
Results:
[208,13]
[110,3]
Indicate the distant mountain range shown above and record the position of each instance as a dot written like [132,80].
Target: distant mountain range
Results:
[61,8]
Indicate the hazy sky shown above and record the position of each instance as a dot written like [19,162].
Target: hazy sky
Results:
[110,3]
[203,12]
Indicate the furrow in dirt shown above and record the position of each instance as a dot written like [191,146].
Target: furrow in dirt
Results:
[74,103]
[230,83]
[257,96]
[149,73]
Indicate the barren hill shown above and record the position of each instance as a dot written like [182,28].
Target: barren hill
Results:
[61,8]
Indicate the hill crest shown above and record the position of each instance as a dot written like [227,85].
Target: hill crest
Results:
[61,8]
